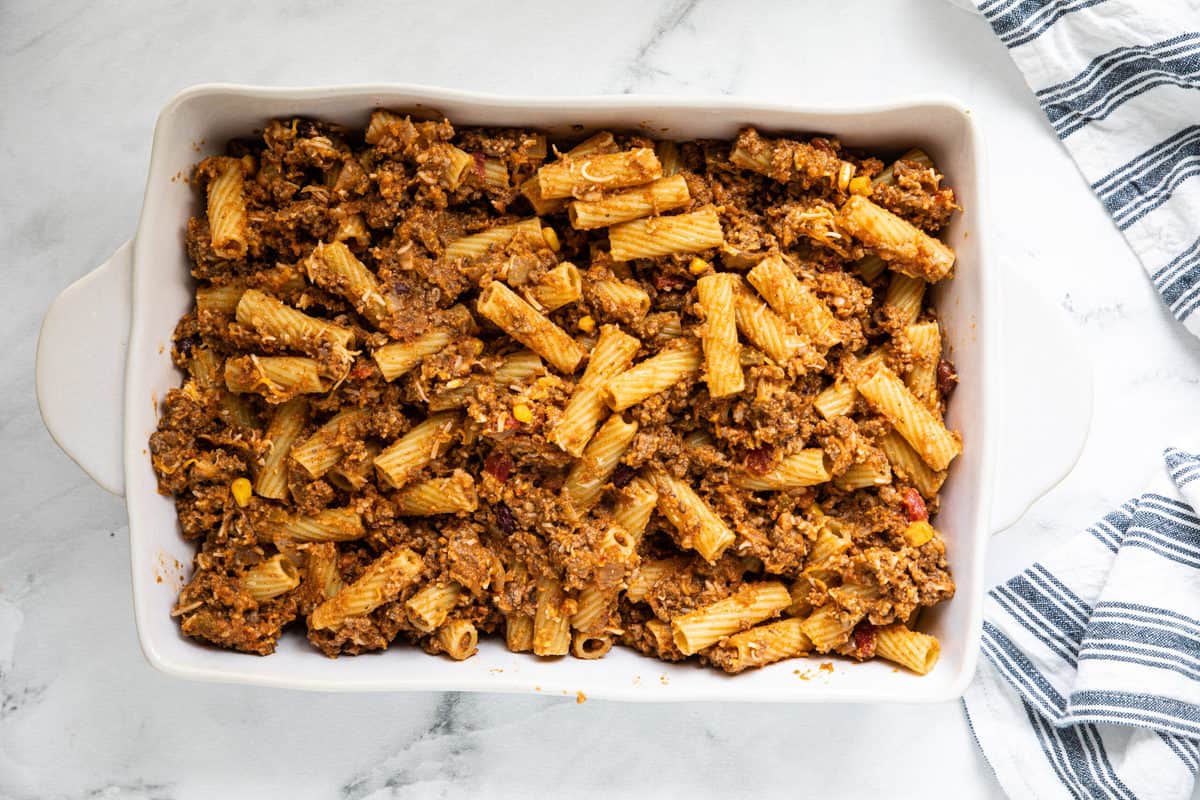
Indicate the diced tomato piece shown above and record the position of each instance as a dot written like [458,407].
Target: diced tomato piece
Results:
[669,283]
[758,461]
[498,465]
[864,640]
[914,505]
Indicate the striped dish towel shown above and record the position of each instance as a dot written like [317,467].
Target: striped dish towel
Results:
[1090,685]
[1118,80]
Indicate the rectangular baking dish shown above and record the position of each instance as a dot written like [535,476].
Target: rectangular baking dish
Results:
[197,122]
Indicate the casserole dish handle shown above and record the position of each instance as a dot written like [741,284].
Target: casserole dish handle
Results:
[81,368]
[1046,398]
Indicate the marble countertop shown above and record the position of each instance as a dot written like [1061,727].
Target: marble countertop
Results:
[82,714]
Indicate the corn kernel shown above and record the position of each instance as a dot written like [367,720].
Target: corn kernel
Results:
[860,185]
[551,239]
[844,175]
[816,510]
[522,413]
[698,266]
[918,533]
[587,324]
[242,490]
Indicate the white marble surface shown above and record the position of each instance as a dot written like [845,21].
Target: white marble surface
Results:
[82,715]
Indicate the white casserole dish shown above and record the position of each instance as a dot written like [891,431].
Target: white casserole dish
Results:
[82,350]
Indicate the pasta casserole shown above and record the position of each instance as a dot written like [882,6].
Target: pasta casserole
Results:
[684,397]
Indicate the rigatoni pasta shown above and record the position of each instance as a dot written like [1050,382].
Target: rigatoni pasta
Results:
[478,243]
[675,362]
[662,195]
[277,378]
[556,288]
[612,355]
[524,323]
[903,245]
[722,352]
[286,424]
[573,175]
[919,426]
[227,208]
[807,467]
[328,525]
[435,496]
[765,329]
[382,580]
[692,232]
[697,527]
[783,291]
[589,474]
[334,268]
[707,625]
[448,383]
[397,358]
[420,446]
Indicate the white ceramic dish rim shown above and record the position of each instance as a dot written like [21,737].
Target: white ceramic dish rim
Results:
[440,678]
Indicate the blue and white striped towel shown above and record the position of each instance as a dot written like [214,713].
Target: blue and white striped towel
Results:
[1118,80]
[1090,685]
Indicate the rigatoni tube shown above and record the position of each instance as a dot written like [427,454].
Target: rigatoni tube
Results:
[283,430]
[612,354]
[458,639]
[270,578]
[278,323]
[784,292]
[925,341]
[450,495]
[904,296]
[919,426]
[917,651]
[678,360]
[808,467]
[765,329]
[277,378]
[634,506]
[664,194]
[477,244]
[227,209]
[722,351]
[382,581]
[698,527]
[397,358]
[692,232]
[761,645]
[334,268]
[428,608]
[415,449]
[904,246]
[321,451]
[328,525]
[589,474]
[552,622]
[522,322]
[750,604]
[557,288]
[907,464]
[573,175]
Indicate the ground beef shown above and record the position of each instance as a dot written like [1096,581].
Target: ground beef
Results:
[396,196]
